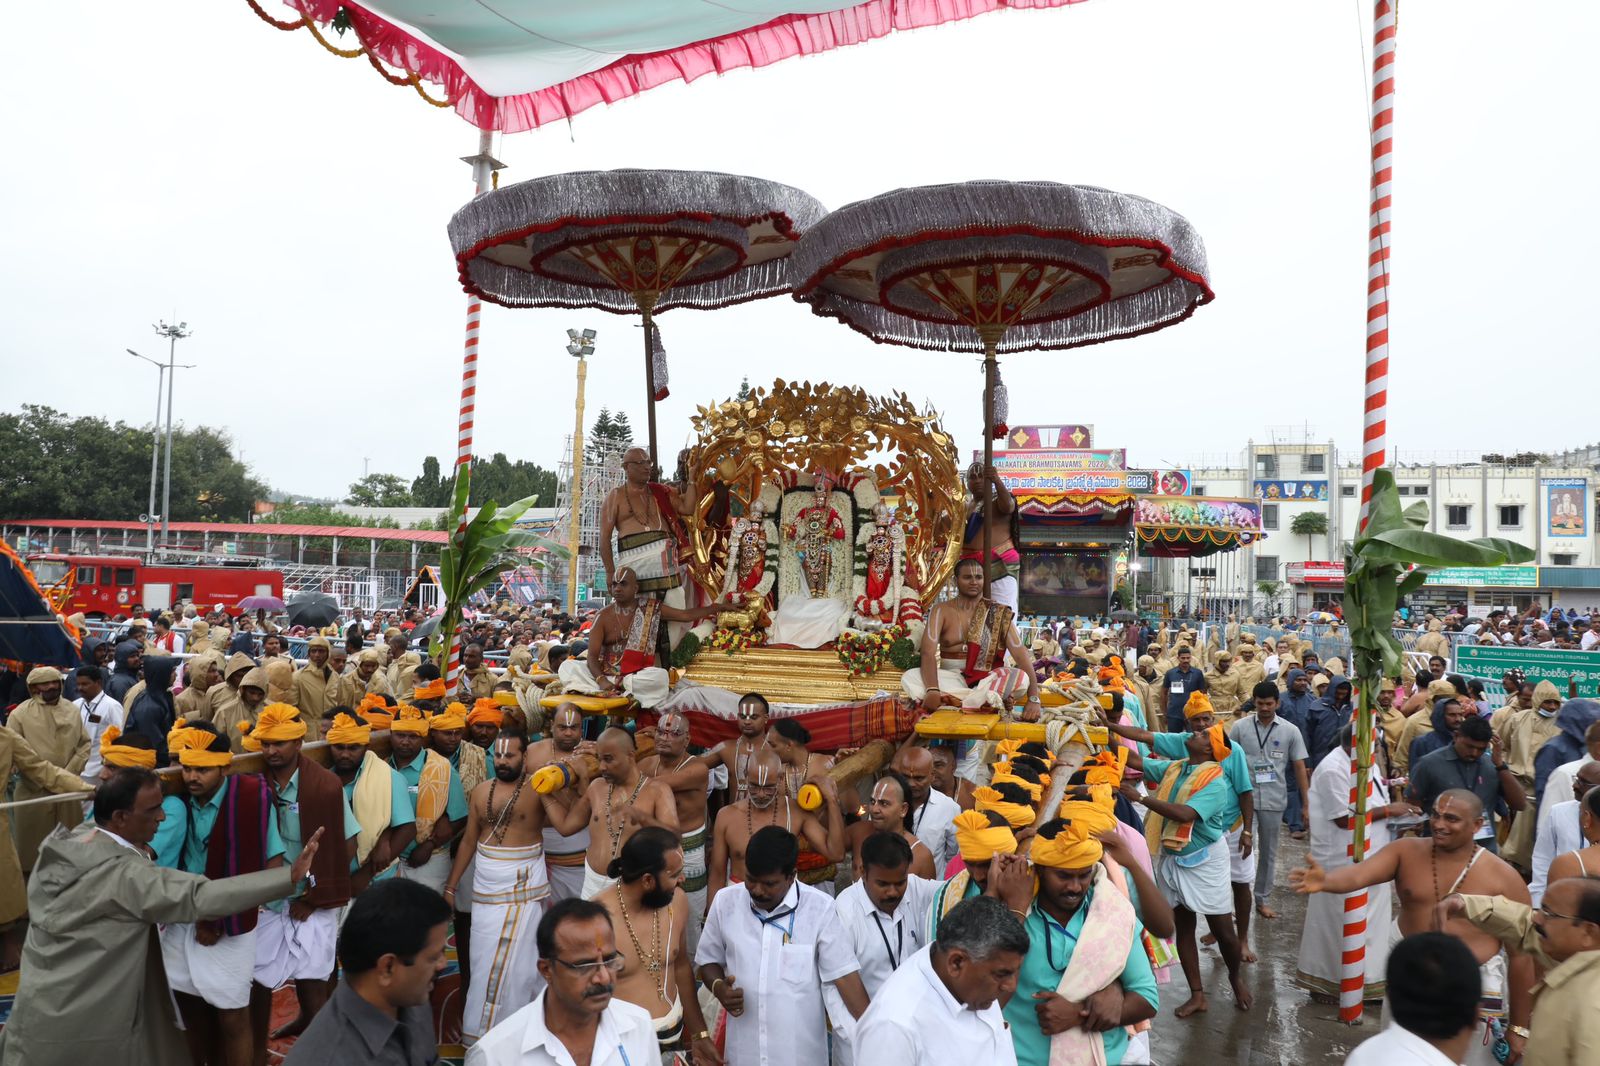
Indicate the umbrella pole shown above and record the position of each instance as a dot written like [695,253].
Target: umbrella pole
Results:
[991,339]
[647,305]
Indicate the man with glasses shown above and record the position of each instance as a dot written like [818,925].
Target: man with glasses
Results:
[647,518]
[575,1018]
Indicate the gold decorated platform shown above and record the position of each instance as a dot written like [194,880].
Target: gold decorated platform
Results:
[790,675]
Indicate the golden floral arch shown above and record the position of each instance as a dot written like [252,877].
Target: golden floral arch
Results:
[798,428]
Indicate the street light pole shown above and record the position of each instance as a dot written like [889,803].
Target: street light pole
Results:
[155,451]
[173,334]
[580,345]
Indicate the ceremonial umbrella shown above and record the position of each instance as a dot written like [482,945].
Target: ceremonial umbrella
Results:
[631,240]
[993,266]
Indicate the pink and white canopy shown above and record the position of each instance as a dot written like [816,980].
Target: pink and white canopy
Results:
[512,65]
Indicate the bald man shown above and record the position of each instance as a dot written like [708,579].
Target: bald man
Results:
[565,856]
[617,804]
[647,518]
[1425,870]
[689,779]
[932,812]
[767,802]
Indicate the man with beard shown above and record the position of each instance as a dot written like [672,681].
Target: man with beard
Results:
[436,792]
[1428,869]
[687,777]
[377,796]
[502,846]
[476,678]
[767,804]
[565,855]
[483,724]
[295,941]
[315,686]
[129,660]
[228,831]
[200,672]
[751,718]
[617,804]
[769,946]
[54,729]
[653,919]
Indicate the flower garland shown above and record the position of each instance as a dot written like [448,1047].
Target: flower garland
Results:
[864,653]
[733,641]
[867,610]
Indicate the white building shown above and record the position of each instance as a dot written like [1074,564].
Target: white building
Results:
[1547,508]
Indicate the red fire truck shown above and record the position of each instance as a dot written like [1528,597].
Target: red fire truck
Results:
[102,586]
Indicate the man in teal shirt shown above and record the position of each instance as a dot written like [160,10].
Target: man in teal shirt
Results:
[427,859]
[387,828]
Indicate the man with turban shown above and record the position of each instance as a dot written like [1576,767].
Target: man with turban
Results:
[483,724]
[473,765]
[435,790]
[53,729]
[295,940]
[228,831]
[377,796]
[1191,810]
[980,836]
[315,685]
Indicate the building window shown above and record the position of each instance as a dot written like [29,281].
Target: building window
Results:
[1510,516]
[1458,515]
[1266,466]
[1199,490]
[1312,463]
[1563,559]
[1269,516]
[1404,490]
[1266,568]
[1347,490]
[1419,490]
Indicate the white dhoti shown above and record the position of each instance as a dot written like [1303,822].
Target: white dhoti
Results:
[1004,590]
[988,693]
[1322,943]
[1241,869]
[287,950]
[695,879]
[1199,881]
[593,883]
[566,858]
[509,892]
[805,622]
[433,873]
[669,1033]
[648,687]
[1491,1007]
[219,974]
[653,558]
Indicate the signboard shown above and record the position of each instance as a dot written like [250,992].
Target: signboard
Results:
[583,593]
[1173,483]
[1125,482]
[1036,438]
[1059,460]
[1539,664]
[1566,506]
[1315,573]
[230,547]
[1483,577]
[1292,490]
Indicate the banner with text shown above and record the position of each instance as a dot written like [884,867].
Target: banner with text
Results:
[1566,504]
[1539,664]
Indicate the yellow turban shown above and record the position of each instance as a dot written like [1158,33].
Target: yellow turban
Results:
[1001,777]
[346,730]
[454,716]
[410,720]
[192,747]
[502,699]
[1106,768]
[1069,849]
[114,754]
[1220,748]
[371,702]
[1089,817]
[978,841]
[1017,814]
[1099,795]
[1197,704]
[486,711]
[379,719]
[277,721]
[433,690]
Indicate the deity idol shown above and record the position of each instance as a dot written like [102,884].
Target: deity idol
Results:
[747,548]
[812,533]
[883,545]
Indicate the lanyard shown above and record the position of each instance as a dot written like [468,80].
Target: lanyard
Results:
[774,918]
[894,953]
[1050,926]
[1261,743]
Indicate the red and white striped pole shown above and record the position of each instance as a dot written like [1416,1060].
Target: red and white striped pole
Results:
[483,167]
[1352,975]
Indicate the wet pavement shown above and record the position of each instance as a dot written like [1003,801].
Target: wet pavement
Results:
[1283,1027]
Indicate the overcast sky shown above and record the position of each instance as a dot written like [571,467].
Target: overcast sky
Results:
[186,159]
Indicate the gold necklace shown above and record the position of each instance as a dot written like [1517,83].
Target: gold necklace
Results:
[616,834]
[653,962]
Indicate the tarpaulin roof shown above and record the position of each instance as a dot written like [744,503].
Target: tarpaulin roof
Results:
[517,64]
[30,631]
[255,529]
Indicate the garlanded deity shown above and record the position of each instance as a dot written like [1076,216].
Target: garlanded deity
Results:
[812,534]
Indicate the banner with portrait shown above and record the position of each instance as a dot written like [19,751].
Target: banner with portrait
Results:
[1566,502]
[1059,583]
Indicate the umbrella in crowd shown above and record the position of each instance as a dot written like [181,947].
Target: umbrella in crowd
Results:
[261,603]
[315,609]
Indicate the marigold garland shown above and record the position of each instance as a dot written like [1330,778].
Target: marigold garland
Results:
[733,641]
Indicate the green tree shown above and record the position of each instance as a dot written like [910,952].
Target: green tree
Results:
[1309,524]
[379,490]
[608,432]
[430,489]
[744,389]
[53,465]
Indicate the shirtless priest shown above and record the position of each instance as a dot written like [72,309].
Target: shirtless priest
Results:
[651,918]
[687,777]
[617,804]
[622,645]
[767,803]
[505,827]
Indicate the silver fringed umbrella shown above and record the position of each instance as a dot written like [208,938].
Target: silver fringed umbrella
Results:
[993,266]
[631,240]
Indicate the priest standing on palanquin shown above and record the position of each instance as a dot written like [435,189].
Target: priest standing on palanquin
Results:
[993,505]
[647,518]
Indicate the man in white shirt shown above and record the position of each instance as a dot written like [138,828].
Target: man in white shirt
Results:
[574,1019]
[769,945]
[1561,778]
[1558,829]
[100,712]
[931,810]
[942,1005]
[1434,987]
[1591,637]
[885,916]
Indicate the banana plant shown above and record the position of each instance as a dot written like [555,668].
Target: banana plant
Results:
[478,552]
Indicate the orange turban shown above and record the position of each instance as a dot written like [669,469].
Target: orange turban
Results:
[193,747]
[454,716]
[277,721]
[1220,748]
[1070,849]
[486,711]
[1197,704]
[1017,814]
[410,720]
[114,754]
[1099,795]
[433,690]
[379,720]
[978,841]
[371,702]
[1106,768]
[346,730]
[1001,776]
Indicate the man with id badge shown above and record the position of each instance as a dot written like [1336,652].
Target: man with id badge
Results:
[1178,683]
[1275,750]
